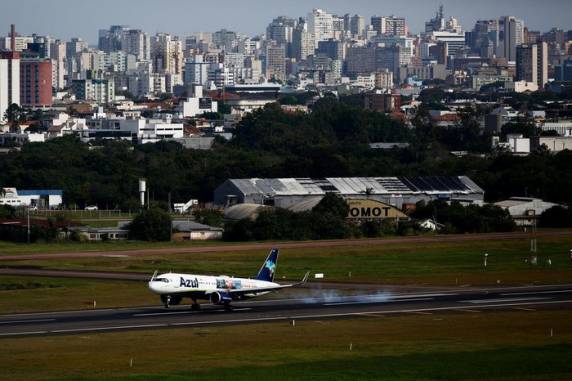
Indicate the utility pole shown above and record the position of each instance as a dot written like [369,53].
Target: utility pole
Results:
[28,225]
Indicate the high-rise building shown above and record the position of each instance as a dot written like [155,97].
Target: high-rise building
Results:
[136,42]
[357,25]
[58,56]
[110,39]
[101,91]
[563,72]
[225,40]
[332,48]
[276,63]
[36,82]
[389,25]
[196,71]
[167,54]
[280,30]
[303,42]
[320,24]
[9,76]
[532,64]
[511,34]
[484,38]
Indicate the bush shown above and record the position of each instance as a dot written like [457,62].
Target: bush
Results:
[151,225]
[466,219]
[556,217]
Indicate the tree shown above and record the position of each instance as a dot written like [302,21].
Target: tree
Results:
[334,205]
[14,115]
[151,225]
[556,217]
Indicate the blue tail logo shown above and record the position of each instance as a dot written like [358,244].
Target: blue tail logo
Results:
[268,269]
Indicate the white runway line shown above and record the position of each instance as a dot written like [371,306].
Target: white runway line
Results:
[24,333]
[369,301]
[523,309]
[535,292]
[26,321]
[165,313]
[482,301]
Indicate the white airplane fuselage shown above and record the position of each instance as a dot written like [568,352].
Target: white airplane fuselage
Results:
[173,287]
[180,284]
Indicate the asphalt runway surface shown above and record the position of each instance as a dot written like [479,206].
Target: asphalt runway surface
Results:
[316,306]
[287,245]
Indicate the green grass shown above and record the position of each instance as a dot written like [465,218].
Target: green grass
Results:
[25,294]
[436,263]
[451,346]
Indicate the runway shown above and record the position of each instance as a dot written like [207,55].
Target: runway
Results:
[316,306]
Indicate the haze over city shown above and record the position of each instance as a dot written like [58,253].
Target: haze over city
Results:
[70,18]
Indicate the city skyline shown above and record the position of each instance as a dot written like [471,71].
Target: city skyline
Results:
[148,16]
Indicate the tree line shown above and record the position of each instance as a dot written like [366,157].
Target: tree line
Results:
[332,141]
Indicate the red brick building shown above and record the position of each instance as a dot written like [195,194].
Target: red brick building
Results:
[35,82]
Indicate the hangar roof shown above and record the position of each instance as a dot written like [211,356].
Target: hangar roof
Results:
[358,186]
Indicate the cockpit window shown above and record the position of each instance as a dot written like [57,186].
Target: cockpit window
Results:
[164,280]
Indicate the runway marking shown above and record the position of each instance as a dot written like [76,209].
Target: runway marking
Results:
[165,313]
[421,313]
[535,292]
[467,310]
[282,317]
[523,309]
[109,328]
[479,301]
[24,333]
[62,312]
[369,301]
[26,321]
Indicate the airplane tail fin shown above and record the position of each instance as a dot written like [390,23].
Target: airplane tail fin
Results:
[268,269]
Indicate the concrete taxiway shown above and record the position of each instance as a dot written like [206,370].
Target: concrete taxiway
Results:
[316,305]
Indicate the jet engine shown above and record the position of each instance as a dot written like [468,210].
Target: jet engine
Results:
[218,298]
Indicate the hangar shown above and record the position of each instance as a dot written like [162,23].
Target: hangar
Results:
[303,193]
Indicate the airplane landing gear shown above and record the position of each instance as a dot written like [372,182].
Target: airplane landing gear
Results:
[195,306]
[227,307]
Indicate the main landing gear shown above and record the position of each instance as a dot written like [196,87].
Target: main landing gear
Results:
[195,306]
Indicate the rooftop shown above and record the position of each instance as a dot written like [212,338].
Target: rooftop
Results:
[358,185]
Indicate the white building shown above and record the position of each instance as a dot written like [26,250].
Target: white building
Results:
[524,210]
[9,83]
[556,143]
[132,130]
[44,198]
[562,128]
[321,25]
[101,91]
[196,71]
[197,104]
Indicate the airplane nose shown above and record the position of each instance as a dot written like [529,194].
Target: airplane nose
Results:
[153,286]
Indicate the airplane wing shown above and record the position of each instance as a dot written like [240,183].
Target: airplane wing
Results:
[266,289]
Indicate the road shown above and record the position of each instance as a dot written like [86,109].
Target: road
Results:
[287,245]
[317,307]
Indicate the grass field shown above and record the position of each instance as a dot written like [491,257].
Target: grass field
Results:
[436,263]
[499,346]
[30,294]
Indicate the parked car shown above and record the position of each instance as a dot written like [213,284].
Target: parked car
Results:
[91,207]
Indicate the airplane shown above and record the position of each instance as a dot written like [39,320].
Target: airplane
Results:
[219,290]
